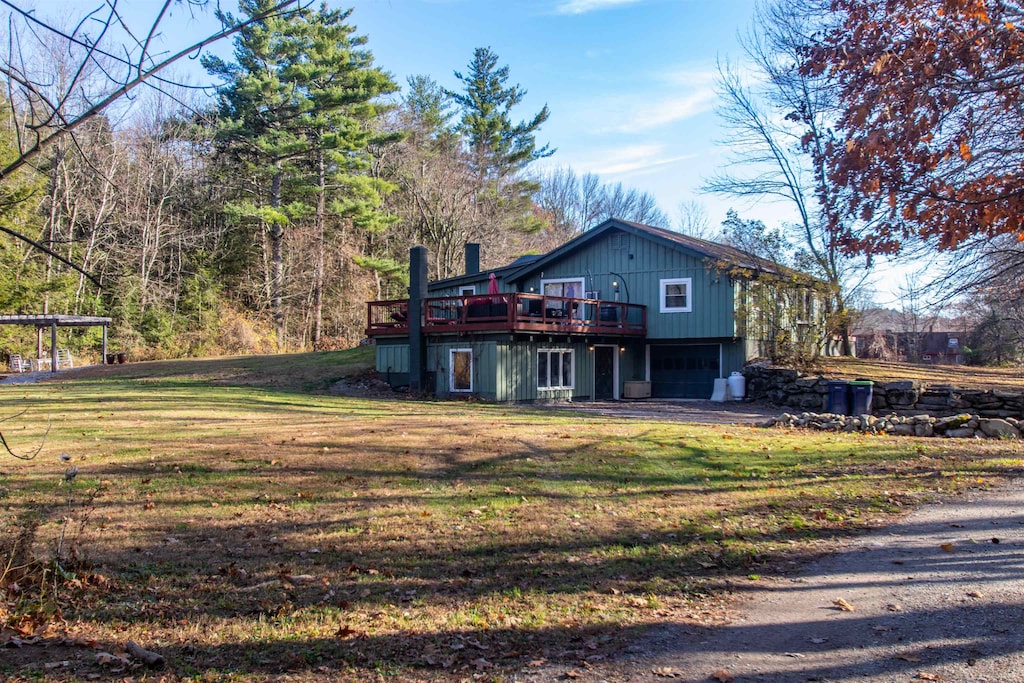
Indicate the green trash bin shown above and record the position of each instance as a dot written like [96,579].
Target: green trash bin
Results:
[860,397]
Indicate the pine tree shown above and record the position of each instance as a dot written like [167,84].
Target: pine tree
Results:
[296,115]
[500,149]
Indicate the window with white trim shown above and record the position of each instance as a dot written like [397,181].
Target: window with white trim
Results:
[468,290]
[555,369]
[677,295]
[460,370]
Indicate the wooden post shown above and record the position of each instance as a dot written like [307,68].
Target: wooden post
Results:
[103,357]
[53,346]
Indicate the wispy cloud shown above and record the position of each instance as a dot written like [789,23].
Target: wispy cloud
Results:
[584,6]
[646,115]
[626,160]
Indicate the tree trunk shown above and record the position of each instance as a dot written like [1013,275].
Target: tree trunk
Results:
[318,256]
[277,262]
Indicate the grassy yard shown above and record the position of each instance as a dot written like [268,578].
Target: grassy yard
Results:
[964,376]
[247,529]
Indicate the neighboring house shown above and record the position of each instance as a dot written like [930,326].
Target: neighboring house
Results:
[622,310]
[938,348]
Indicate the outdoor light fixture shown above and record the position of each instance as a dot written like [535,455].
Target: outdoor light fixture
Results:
[622,349]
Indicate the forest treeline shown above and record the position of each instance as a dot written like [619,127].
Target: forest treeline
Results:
[265,218]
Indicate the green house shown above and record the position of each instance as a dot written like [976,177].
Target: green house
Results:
[625,310]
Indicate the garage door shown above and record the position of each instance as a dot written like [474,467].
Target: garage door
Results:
[684,371]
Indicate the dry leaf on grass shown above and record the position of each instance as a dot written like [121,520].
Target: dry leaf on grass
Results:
[843,606]
[665,672]
[909,658]
[948,547]
[921,676]
[975,594]
[722,676]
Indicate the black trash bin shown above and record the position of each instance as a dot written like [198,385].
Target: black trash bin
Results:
[860,397]
[839,397]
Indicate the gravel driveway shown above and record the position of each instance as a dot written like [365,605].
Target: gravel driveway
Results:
[683,410]
[936,597]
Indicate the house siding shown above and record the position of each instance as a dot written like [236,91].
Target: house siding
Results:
[392,361]
[618,255]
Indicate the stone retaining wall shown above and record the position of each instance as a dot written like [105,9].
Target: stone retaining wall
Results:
[964,426]
[788,388]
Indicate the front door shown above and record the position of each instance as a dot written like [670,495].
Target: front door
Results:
[605,358]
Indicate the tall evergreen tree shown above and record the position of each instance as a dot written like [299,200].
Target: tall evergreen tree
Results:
[296,114]
[499,146]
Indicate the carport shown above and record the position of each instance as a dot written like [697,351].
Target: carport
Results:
[53,321]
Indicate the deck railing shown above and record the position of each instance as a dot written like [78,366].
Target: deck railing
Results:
[510,312]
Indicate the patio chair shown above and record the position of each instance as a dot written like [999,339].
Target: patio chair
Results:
[18,364]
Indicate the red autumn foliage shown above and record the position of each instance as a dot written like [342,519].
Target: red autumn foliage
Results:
[931,126]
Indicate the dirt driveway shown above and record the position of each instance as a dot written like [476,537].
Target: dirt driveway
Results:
[936,597]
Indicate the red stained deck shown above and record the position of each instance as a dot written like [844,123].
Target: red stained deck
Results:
[510,312]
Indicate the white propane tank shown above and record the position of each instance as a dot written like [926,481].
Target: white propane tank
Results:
[737,385]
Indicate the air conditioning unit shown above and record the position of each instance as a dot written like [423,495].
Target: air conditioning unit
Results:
[636,390]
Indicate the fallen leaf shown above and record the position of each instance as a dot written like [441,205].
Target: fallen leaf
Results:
[666,672]
[108,659]
[842,605]
[345,631]
[909,658]
[921,676]
[893,607]
[572,673]
[794,655]
[722,676]
[948,547]
[975,594]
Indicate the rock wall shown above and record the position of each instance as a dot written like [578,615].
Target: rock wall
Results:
[963,426]
[788,388]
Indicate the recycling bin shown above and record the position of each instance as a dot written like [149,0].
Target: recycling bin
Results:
[839,397]
[860,397]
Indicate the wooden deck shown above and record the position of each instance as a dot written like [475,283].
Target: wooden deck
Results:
[510,312]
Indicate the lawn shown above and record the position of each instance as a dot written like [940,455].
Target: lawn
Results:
[247,529]
[964,376]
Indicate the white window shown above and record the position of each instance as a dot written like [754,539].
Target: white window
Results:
[460,370]
[676,295]
[555,369]
[467,291]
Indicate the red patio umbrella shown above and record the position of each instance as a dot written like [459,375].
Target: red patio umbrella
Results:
[492,285]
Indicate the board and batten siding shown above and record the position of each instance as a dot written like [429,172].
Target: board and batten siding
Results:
[504,371]
[392,357]
[517,372]
[639,264]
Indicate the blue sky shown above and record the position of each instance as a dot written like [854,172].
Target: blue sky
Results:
[630,83]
